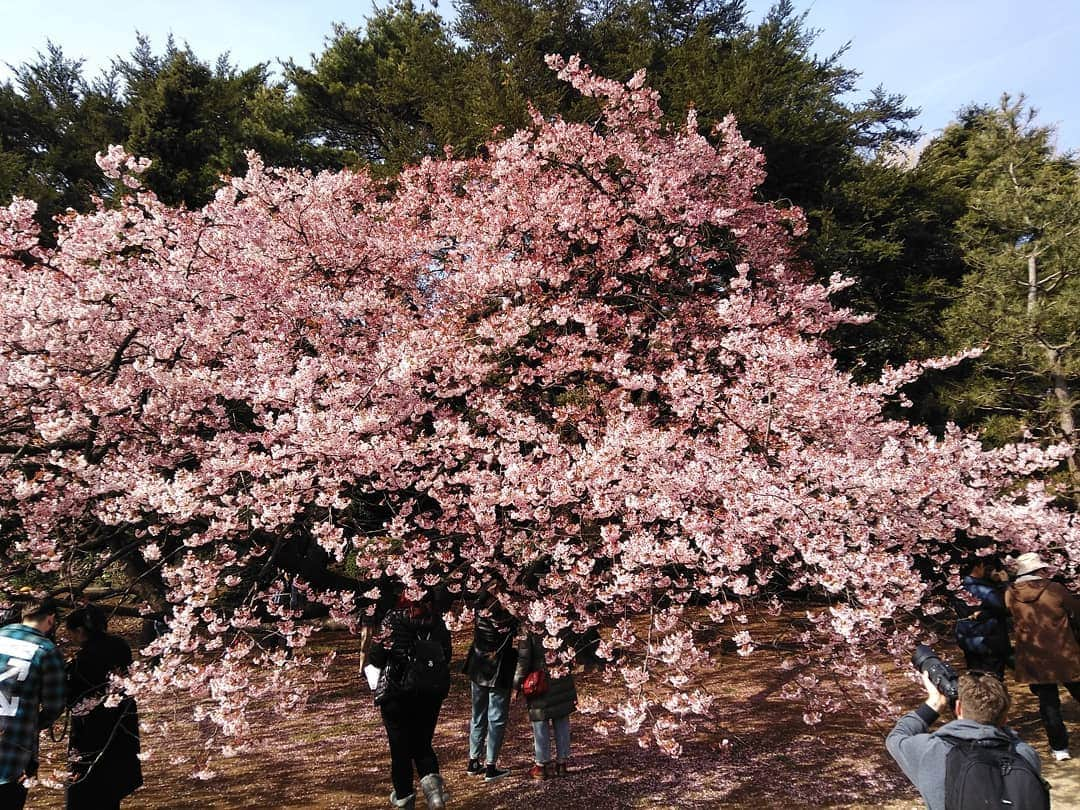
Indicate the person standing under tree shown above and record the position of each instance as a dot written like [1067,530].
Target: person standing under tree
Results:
[31,695]
[549,708]
[982,633]
[1047,650]
[412,657]
[490,666]
[104,743]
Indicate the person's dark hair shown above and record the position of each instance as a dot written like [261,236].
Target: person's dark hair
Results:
[90,618]
[37,609]
[983,698]
[991,563]
[440,598]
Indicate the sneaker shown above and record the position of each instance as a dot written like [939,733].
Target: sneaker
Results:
[475,768]
[541,772]
[1062,754]
[492,772]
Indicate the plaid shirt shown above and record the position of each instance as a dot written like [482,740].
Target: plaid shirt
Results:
[31,695]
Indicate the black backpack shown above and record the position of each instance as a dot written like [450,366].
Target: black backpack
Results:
[427,671]
[989,773]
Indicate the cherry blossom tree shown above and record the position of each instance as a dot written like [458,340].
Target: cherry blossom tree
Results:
[584,372]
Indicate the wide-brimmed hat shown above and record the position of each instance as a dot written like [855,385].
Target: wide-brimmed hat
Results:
[1028,563]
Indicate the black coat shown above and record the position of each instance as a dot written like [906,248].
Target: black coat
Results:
[491,658]
[400,630]
[560,698]
[104,742]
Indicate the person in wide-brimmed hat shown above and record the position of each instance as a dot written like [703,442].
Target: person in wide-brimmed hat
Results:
[1047,650]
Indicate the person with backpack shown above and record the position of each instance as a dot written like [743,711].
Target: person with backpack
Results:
[103,745]
[490,667]
[982,632]
[551,702]
[412,656]
[973,761]
[1047,650]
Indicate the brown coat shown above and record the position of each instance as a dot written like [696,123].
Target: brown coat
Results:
[1047,650]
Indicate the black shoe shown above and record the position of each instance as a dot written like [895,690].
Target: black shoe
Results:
[476,768]
[491,773]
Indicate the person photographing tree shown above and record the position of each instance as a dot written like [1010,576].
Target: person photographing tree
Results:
[973,761]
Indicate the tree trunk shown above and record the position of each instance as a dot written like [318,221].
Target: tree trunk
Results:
[1059,384]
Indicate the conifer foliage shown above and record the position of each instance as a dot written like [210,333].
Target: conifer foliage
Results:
[583,371]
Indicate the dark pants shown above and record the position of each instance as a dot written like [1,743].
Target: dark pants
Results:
[12,796]
[87,801]
[1050,711]
[410,726]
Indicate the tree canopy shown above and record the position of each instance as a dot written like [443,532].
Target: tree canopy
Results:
[585,372]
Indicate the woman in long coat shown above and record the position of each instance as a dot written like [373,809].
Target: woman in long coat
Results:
[104,744]
[1047,650]
[549,711]
[413,634]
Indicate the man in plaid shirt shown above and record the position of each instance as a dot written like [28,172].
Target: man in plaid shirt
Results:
[31,696]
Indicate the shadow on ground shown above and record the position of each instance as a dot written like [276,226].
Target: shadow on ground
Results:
[333,756]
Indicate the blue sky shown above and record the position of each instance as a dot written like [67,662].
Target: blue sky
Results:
[941,54]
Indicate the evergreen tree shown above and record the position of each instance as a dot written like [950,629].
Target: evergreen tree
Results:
[195,122]
[1020,237]
[52,122]
[385,95]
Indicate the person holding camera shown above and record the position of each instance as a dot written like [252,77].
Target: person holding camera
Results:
[961,764]
[1047,650]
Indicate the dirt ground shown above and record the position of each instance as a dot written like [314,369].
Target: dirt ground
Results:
[334,755]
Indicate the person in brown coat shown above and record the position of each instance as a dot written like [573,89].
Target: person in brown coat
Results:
[1047,650]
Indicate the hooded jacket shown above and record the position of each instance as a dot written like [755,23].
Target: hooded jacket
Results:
[1046,646]
[921,755]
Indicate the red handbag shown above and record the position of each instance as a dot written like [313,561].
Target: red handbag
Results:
[535,684]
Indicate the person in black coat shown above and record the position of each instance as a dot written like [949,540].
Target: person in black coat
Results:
[549,710]
[104,742]
[412,654]
[490,667]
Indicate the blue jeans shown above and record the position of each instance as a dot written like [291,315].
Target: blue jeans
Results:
[489,712]
[542,739]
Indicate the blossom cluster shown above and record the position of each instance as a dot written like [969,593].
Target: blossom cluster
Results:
[584,371]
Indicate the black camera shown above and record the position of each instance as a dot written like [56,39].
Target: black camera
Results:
[941,675]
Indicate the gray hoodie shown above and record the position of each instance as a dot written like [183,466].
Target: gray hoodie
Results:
[921,755]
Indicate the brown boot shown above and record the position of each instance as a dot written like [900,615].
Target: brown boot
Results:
[561,769]
[541,772]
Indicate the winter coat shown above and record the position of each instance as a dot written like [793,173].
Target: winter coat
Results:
[982,633]
[400,630]
[560,698]
[491,658]
[1047,650]
[921,756]
[104,742]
